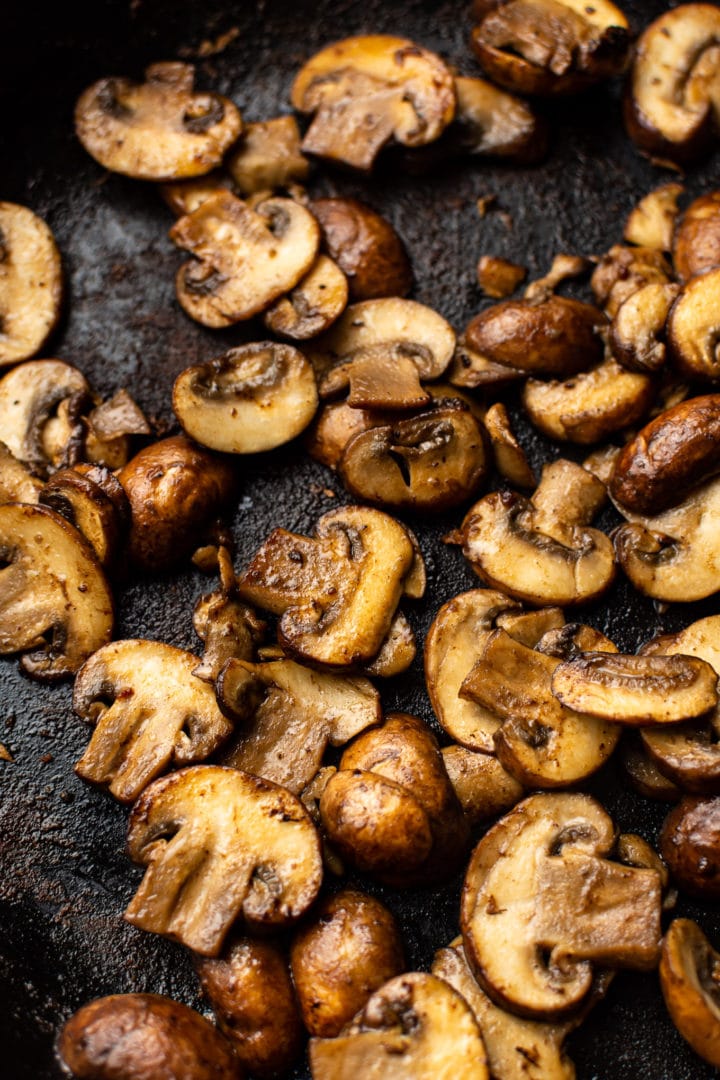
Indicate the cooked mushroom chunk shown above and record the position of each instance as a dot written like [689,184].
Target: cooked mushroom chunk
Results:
[268,157]
[227,627]
[30,395]
[491,123]
[334,426]
[690,845]
[366,91]
[397,651]
[252,398]
[623,270]
[17,483]
[157,130]
[532,929]
[220,845]
[510,458]
[30,283]
[497,277]
[471,368]
[92,500]
[243,259]
[693,327]
[313,305]
[689,978]
[185,196]
[484,788]
[55,603]
[637,335]
[696,247]
[652,222]
[643,773]
[564,267]
[366,248]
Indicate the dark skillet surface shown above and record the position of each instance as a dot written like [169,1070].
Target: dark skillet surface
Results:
[64,877]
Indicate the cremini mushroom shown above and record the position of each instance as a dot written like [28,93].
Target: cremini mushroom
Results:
[651,223]
[315,303]
[696,247]
[227,627]
[31,285]
[268,157]
[689,976]
[243,259]
[92,499]
[638,332]
[484,788]
[534,929]
[252,398]
[365,246]
[185,196]
[471,368]
[17,482]
[690,845]
[693,326]
[623,270]
[219,845]
[498,277]
[30,395]
[160,129]
[510,459]
[397,651]
[366,91]
[335,424]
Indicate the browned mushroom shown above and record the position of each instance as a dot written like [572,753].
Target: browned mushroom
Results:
[185,196]
[491,123]
[268,157]
[313,305]
[470,368]
[689,976]
[30,283]
[637,336]
[510,458]
[30,396]
[693,327]
[484,788]
[499,278]
[17,482]
[227,627]
[690,845]
[624,270]
[366,248]
[643,773]
[93,500]
[564,267]
[651,223]
[697,238]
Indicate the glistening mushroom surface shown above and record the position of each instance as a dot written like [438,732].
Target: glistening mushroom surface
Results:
[693,326]
[365,246]
[638,332]
[30,283]
[268,157]
[689,978]
[696,247]
[313,305]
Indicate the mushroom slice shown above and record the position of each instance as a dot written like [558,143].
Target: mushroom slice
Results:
[149,712]
[636,690]
[365,91]
[268,157]
[338,592]
[696,247]
[429,462]
[533,930]
[564,268]
[557,336]
[117,417]
[624,270]
[492,123]
[643,773]
[380,350]
[244,259]
[55,600]
[637,335]
[30,283]
[220,844]
[551,46]
[81,496]
[499,278]
[485,790]
[185,196]
[470,368]
[252,398]
[672,107]
[510,458]
[689,980]
[17,483]
[689,844]
[416,1027]
[227,627]
[334,426]
[288,716]
[313,305]
[590,406]
[29,398]
[541,550]
[157,130]
[397,651]
[652,222]
[366,248]
[693,327]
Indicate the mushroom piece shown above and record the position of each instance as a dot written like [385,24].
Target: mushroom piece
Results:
[56,606]
[689,844]
[143,1037]
[624,270]
[564,268]
[31,285]
[313,305]
[588,407]
[643,773]
[288,715]
[671,106]
[551,46]
[17,483]
[556,336]
[365,246]
[157,130]
[541,550]
[510,458]
[689,978]
[533,931]
[380,350]
[251,994]
[252,398]
[220,845]
[335,424]
[693,326]
[652,222]
[472,369]
[485,789]
[268,157]
[93,500]
[117,417]
[499,278]
[347,950]
[227,627]
[491,123]
[696,247]
[416,1027]
[185,196]
[366,91]
[397,651]
[243,259]
[30,395]
[637,335]
[149,713]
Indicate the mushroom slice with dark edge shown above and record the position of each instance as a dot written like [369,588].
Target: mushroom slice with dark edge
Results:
[623,270]
[335,424]
[117,417]
[134,1036]
[533,931]
[92,500]
[689,844]
[541,550]
[671,106]
[268,157]
[652,222]
[220,845]
[396,653]
[485,789]
[693,325]
[17,483]
[31,284]
[416,1027]
[510,458]
[56,606]
[492,123]
[642,772]
[637,335]
[338,592]
[380,350]
[244,259]
[29,398]
[430,462]
[365,246]
[696,247]
[313,305]
[252,398]
[551,46]
[690,983]
[185,196]
[588,407]
[149,712]
[157,130]
[366,91]
[227,627]
[472,369]
[288,714]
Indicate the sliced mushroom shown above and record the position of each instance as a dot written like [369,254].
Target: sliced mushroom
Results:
[510,458]
[268,157]
[218,845]
[31,284]
[366,91]
[470,368]
[542,906]
[690,845]
[696,247]
[17,483]
[484,788]
[157,130]
[564,268]
[365,246]
[492,123]
[56,606]
[541,550]
[624,270]
[397,651]
[689,978]
[416,1027]
[313,305]
[693,327]
[92,500]
[643,773]
[499,278]
[652,222]
[227,627]
[185,196]
[632,850]
[671,107]
[334,426]
[637,335]
[244,259]
[252,398]
[29,398]
[120,415]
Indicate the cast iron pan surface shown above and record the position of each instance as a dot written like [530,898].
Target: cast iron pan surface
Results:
[64,877]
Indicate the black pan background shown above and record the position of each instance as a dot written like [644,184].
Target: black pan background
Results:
[64,877]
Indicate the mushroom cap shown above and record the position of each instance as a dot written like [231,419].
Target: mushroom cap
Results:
[31,284]
[623,270]
[365,246]
[29,397]
[689,844]
[689,969]
[315,303]
[17,483]
[637,335]
[92,500]
[489,122]
[159,129]
[696,246]
[693,327]
[485,789]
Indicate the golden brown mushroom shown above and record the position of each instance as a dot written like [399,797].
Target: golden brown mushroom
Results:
[689,976]
[693,327]
[690,845]
[92,499]
[30,397]
[696,247]
[268,157]
[366,248]
[651,223]
[623,270]
[638,332]
[315,303]
[31,284]
[484,788]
